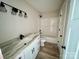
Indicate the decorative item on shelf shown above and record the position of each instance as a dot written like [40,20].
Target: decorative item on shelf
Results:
[14,11]
[2,7]
[20,13]
[25,15]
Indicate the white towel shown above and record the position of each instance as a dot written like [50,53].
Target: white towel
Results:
[1,56]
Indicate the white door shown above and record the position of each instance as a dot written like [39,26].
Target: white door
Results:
[72,42]
[72,34]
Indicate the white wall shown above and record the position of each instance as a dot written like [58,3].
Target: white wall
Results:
[49,26]
[50,39]
[11,26]
[63,22]
[62,25]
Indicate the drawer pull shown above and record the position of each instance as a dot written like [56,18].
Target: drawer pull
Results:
[20,58]
[33,50]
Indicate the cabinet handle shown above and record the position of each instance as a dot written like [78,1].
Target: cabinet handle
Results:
[20,57]
[33,50]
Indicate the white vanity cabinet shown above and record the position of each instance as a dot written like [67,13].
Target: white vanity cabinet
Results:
[35,47]
[31,51]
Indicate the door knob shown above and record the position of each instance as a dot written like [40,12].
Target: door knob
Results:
[63,47]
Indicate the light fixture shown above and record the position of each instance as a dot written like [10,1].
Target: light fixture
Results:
[2,7]
[20,13]
[25,15]
[14,11]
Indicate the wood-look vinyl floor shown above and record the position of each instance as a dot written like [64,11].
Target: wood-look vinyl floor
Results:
[49,51]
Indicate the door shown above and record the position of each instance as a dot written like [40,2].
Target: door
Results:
[77,52]
[72,33]
[73,40]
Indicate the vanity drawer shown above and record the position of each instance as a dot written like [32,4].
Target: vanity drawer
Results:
[20,56]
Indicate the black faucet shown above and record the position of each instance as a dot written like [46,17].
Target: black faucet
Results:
[21,36]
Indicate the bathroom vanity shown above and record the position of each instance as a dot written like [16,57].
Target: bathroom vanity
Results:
[31,51]
[27,48]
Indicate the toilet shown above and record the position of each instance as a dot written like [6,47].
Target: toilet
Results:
[43,42]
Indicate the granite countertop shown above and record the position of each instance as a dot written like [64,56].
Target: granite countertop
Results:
[12,47]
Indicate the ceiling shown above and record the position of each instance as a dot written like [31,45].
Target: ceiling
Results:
[45,5]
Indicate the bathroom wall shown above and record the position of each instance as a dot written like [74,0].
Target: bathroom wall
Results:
[63,21]
[11,26]
[49,26]
[62,25]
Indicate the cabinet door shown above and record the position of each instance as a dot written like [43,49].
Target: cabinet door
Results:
[38,43]
[32,50]
[36,47]
[20,56]
[28,52]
